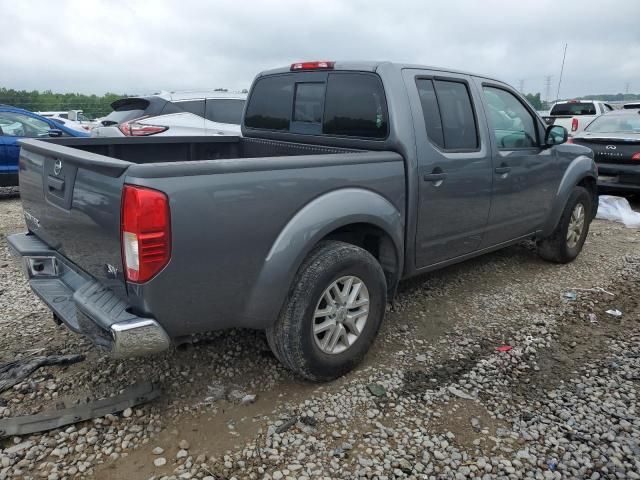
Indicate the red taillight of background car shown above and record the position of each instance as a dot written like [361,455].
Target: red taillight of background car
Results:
[145,232]
[322,65]
[574,124]
[636,157]
[133,128]
[569,140]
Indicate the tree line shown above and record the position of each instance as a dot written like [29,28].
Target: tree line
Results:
[93,106]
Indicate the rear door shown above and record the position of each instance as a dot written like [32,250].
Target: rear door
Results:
[454,165]
[223,115]
[525,175]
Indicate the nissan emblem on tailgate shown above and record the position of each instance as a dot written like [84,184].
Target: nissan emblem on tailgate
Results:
[57,167]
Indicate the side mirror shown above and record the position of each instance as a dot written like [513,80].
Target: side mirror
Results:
[555,135]
[54,132]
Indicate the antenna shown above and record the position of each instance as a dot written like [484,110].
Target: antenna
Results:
[564,55]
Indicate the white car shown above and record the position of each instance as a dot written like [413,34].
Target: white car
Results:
[73,119]
[192,113]
[575,115]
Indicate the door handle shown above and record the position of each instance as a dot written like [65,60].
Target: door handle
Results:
[55,183]
[435,177]
[502,169]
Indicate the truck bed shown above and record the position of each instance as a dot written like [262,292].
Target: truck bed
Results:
[224,192]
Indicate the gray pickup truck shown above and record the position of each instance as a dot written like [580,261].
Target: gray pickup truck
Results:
[349,177]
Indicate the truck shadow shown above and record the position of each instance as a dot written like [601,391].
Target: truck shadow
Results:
[9,193]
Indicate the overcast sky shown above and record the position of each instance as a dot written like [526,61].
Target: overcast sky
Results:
[143,46]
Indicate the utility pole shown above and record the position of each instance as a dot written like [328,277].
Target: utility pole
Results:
[547,88]
[564,55]
[626,87]
[521,86]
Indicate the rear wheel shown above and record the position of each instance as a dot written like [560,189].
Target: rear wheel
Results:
[567,240]
[332,313]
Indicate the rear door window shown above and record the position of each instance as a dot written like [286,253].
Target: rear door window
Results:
[448,114]
[430,111]
[225,110]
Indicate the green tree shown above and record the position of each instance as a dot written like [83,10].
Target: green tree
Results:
[535,100]
[92,105]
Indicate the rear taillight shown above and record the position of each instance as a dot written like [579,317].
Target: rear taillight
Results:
[145,230]
[133,128]
[323,65]
[574,124]
[636,156]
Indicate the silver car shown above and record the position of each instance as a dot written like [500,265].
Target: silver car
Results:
[189,113]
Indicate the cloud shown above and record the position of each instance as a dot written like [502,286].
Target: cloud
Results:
[135,47]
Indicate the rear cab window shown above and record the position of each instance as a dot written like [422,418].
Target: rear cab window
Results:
[574,109]
[342,104]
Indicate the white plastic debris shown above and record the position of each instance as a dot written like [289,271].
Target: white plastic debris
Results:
[617,209]
[615,313]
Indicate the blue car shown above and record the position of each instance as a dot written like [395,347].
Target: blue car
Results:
[16,123]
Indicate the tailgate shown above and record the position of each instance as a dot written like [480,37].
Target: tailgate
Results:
[71,200]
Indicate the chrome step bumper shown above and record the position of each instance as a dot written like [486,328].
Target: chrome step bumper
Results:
[83,304]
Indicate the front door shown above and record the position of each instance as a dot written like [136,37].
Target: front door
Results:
[523,172]
[454,165]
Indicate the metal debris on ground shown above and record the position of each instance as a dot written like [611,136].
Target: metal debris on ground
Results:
[130,397]
[614,312]
[571,295]
[377,390]
[460,394]
[14,372]
[595,289]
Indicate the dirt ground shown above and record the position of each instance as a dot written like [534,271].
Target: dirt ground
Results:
[438,340]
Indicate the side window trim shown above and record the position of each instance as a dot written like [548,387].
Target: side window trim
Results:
[534,117]
[465,82]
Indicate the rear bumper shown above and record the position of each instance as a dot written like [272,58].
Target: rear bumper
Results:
[618,177]
[83,304]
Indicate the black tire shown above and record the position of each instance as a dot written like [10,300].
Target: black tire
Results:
[556,248]
[291,338]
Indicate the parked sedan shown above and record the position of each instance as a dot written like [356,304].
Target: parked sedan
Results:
[16,123]
[615,141]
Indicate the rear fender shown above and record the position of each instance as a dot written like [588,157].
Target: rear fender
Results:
[580,168]
[309,226]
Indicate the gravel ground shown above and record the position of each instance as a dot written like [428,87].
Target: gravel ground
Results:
[434,399]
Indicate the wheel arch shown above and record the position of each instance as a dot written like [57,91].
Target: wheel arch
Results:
[580,172]
[353,215]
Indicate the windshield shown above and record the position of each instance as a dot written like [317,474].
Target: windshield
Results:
[574,108]
[615,124]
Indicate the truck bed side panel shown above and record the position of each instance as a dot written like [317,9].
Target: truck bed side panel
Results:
[224,225]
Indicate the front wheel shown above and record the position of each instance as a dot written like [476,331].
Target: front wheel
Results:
[566,241]
[332,314]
